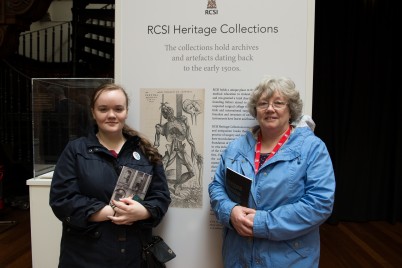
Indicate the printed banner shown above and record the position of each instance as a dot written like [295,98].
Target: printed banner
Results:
[189,67]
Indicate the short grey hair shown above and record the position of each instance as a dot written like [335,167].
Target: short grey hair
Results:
[284,86]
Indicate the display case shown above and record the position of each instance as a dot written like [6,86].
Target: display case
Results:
[60,113]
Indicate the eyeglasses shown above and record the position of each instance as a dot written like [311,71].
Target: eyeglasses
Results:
[277,105]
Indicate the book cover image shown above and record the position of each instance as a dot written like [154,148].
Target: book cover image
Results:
[131,183]
[238,187]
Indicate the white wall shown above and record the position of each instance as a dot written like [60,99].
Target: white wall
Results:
[153,62]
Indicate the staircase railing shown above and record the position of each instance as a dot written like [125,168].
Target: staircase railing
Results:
[56,43]
[51,44]
[93,36]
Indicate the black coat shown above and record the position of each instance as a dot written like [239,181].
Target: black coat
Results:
[82,184]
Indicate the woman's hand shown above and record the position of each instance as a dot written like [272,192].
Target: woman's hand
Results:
[242,219]
[102,215]
[128,211]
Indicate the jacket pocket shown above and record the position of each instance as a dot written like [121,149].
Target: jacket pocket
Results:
[299,246]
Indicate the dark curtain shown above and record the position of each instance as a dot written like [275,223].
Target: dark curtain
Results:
[357,105]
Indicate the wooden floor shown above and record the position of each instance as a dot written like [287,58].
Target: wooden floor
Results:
[368,244]
[15,240]
[347,244]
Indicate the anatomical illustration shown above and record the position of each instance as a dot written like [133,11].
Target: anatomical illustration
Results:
[178,137]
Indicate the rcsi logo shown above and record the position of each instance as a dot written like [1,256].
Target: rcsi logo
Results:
[211,8]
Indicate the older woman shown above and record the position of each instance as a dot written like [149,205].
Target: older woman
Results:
[293,184]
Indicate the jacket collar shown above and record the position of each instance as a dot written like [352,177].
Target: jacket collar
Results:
[291,148]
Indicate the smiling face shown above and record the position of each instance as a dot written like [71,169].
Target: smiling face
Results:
[270,118]
[110,111]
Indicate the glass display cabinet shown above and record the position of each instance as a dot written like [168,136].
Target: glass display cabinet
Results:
[60,113]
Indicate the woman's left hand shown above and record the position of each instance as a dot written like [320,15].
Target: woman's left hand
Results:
[242,219]
[128,211]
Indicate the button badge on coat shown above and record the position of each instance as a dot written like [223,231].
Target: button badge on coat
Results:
[136,156]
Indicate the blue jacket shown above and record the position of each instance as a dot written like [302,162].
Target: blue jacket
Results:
[83,182]
[293,193]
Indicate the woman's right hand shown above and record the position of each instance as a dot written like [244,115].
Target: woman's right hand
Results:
[103,214]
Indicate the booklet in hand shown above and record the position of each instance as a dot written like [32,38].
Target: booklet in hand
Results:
[237,187]
[131,183]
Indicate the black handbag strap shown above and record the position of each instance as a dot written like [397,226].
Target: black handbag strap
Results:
[146,245]
[113,163]
[144,240]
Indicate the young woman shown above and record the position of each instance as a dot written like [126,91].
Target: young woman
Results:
[95,232]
